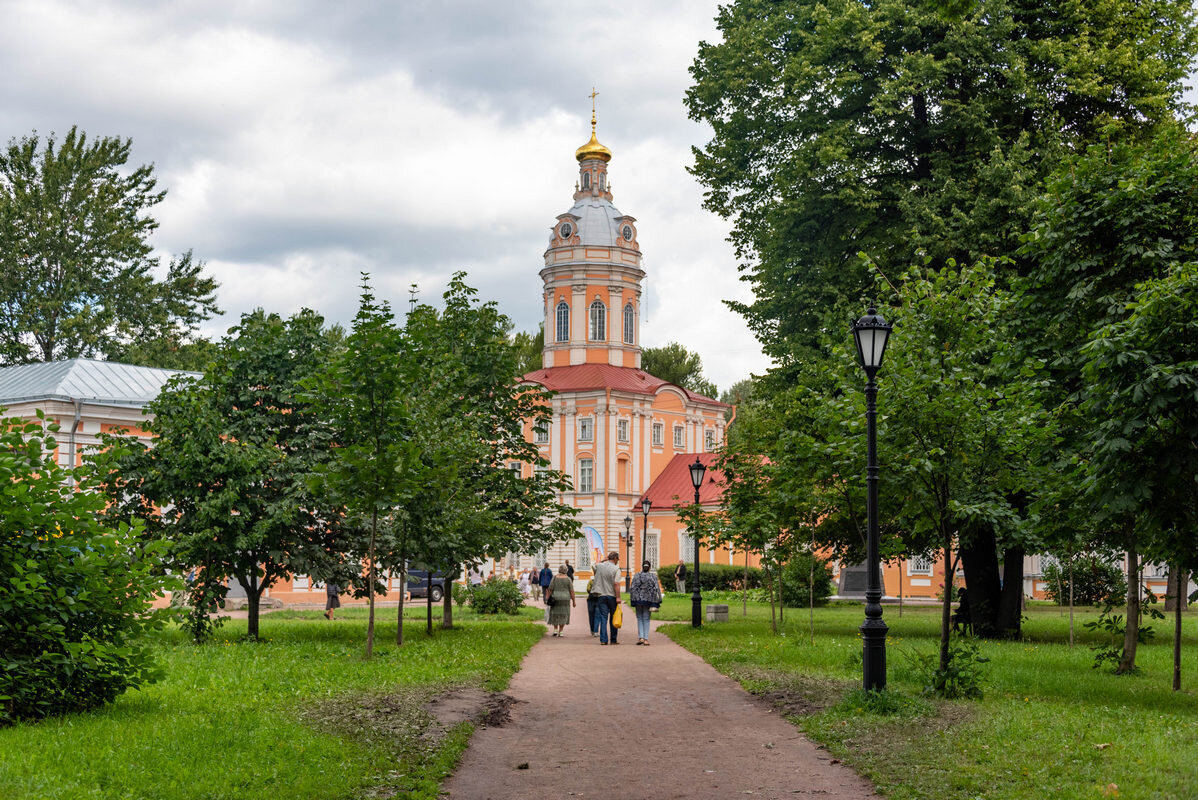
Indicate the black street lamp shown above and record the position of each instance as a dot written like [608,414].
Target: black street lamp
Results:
[871,333]
[646,504]
[697,471]
[627,550]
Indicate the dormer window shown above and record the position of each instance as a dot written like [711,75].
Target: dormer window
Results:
[565,230]
[563,322]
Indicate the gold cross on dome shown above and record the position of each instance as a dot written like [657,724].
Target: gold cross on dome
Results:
[593,95]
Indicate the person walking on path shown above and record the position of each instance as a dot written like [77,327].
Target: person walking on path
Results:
[680,577]
[545,579]
[593,607]
[644,595]
[332,599]
[607,585]
[561,588]
[569,570]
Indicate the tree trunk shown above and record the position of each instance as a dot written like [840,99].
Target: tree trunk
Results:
[1173,592]
[253,600]
[403,588]
[1010,609]
[1178,605]
[979,560]
[811,592]
[744,596]
[374,527]
[428,604]
[1131,634]
[447,601]
[946,608]
[773,614]
[1071,600]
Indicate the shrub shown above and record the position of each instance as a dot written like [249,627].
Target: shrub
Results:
[75,594]
[961,679]
[796,581]
[461,593]
[711,577]
[496,596]
[1096,582]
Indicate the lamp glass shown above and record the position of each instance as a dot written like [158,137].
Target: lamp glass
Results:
[697,471]
[646,504]
[627,524]
[870,333]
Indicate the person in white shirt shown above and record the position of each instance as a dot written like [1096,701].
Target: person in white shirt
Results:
[607,586]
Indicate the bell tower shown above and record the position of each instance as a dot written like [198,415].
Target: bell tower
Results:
[592,274]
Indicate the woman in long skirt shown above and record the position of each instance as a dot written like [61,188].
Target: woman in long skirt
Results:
[561,589]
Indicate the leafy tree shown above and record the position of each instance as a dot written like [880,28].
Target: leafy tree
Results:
[528,349]
[1141,391]
[75,593]
[231,452]
[901,129]
[470,416]
[361,395]
[76,270]
[675,364]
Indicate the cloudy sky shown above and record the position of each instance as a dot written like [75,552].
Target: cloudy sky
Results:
[304,142]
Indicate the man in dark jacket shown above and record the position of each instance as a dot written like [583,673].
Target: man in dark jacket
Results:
[546,578]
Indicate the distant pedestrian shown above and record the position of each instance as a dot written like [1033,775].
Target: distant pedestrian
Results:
[560,590]
[545,579]
[680,576]
[644,595]
[569,570]
[523,584]
[607,585]
[593,607]
[332,601]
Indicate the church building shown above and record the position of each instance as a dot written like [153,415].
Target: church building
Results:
[615,428]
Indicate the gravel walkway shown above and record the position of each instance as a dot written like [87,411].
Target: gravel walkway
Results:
[640,722]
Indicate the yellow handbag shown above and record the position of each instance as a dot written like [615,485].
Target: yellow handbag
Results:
[617,617]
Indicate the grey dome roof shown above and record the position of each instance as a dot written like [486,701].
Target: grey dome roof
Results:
[598,221]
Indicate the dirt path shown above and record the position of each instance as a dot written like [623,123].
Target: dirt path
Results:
[629,721]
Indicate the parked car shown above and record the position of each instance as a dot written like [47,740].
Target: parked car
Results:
[418,584]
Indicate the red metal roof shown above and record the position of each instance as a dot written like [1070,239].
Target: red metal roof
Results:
[673,486]
[584,377]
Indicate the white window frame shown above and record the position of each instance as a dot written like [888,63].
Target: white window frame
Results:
[709,439]
[622,430]
[916,566]
[586,475]
[679,437]
[516,467]
[659,434]
[629,324]
[652,552]
[563,322]
[540,433]
[686,546]
[301,583]
[598,327]
[582,554]
[586,429]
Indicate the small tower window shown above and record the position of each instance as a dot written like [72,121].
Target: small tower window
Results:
[563,322]
[602,182]
[586,180]
[629,318]
[598,321]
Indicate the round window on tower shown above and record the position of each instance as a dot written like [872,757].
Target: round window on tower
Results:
[565,230]
[627,232]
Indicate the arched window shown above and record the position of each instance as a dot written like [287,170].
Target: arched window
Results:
[586,180]
[629,316]
[598,321]
[563,322]
[602,182]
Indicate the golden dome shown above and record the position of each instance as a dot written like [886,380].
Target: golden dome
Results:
[593,149]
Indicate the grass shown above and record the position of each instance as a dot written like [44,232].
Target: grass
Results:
[1049,726]
[233,719]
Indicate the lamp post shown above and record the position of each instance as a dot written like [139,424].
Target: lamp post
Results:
[870,333]
[697,471]
[646,504]
[627,550]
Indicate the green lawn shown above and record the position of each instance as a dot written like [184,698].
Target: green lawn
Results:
[296,715]
[1050,725]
